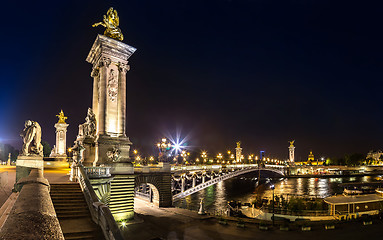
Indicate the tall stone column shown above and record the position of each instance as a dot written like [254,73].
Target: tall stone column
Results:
[123,69]
[96,82]
[61,128]
[103,65]
[238,152]
[291,152]
[109,58]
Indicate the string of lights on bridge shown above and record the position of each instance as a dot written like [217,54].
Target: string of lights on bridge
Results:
[176,152]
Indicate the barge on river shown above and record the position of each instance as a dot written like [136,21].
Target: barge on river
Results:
[346,207]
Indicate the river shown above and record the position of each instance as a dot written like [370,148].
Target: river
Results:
[245,189]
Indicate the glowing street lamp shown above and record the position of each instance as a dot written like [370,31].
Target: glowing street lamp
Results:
[184,155]
[204,156]
[164,147]
[219,156]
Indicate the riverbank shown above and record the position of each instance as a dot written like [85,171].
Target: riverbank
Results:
[173,223]
[334,175]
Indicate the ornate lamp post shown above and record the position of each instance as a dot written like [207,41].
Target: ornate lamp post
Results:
[273,187]
[151,159]
[219,156]
[204,156]
[184,156]
[163,147]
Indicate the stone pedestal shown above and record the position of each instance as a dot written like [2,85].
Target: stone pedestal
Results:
[90,150]
[24,165]
[105,144]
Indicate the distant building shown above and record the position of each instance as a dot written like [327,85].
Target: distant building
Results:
[374,155]
[311,161]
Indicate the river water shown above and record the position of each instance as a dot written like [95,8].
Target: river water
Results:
[245,189]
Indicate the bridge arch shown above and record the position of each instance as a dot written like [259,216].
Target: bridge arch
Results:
[223,177]
[160,185]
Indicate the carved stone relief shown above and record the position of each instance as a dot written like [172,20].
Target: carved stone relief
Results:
[112,86]
[113,154]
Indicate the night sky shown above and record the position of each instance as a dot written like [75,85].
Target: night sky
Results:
[218,71]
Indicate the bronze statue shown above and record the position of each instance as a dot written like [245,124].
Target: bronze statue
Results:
[32,139]
[61,117]
[111,22]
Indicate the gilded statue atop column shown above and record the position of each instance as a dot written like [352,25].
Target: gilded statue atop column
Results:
[111,22]
[292,143]
[61,117]
[32,139]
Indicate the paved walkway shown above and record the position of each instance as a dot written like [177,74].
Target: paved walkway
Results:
[173,223]
[8,178]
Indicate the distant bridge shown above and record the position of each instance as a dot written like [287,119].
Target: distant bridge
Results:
[215,174]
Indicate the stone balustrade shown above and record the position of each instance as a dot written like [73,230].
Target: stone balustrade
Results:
[97,172]
[100,212]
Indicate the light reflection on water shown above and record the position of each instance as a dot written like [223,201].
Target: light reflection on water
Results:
[246,190]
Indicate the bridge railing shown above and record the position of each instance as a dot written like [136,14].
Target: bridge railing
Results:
[216,167]
[142,195]
[160,167]
[99,211]
[97,172]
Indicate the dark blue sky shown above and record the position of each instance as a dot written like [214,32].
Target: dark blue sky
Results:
[263,72]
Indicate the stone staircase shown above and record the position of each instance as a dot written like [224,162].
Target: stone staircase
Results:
[121,202]
[73,213]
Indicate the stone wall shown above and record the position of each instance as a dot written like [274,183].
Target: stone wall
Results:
[162,184]
[33,215]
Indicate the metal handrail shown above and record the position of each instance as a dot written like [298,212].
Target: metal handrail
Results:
[99,211]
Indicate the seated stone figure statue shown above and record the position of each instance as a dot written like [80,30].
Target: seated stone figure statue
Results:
[88,129]
[32,139]
[78,152]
